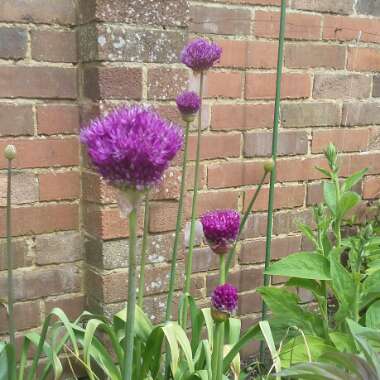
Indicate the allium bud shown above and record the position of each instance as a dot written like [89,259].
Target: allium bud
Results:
[188,104]
[268,166]
[10,152]
[224,301]
[331,155]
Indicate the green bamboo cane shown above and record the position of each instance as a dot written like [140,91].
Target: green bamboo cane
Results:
[10,154]
[280,60]
[189,256]
[131,306]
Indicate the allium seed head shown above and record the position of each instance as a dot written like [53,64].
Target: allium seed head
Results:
[188,103]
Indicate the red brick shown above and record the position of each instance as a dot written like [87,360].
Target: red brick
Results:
[256,226]
[224,84]
[351,28]
[72,305]
[371,188]
[346,140]
[263,86]
[234,53]
[57,119]
[26,316]
[219,20]
[253,252]
[251,2]
[262,54]
[286,222]
[38,82]
[20,253]
[40,153]
[54,46]
[41,219]
[164,83]
[355,162]
[113,83]
[39,11]
[299,26]
[163,216]
[24,188]
[215,146]
[13,43]
[242,116]
[337,6]
[249,303]
[59,186]
[300,56]
[285,197]
[363,59]
[16,120]
[233,174]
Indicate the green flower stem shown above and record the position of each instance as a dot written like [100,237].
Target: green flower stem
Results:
[11,326]
[169,302]
[337,221]
[232,252]
[189,256]
[280,62]
[131,306]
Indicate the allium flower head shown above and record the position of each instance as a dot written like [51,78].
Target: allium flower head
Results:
[224,298]
[188,102]
[221,228]
[132,146]
[200,54]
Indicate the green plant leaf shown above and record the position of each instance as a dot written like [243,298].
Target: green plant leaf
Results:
[343,342]
[305,283]
[372,317]
[329,194]
[308,232]
[309,265]
[267,333]
[353,179]
[347,201]
[323,171]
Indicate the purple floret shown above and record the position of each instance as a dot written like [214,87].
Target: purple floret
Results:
[221,228]
[188,102]
[224,298]
[200,54]
[132,146]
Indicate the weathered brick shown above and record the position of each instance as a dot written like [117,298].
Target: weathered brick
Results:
[262,54]
[224,84]
[113,83]
[20,254]
[241,116]
[337,6]
[253,252]
[44,153]
[301,56]
[72,305]
[260,143]
[57,119]
[118,43]
[358,113]
[263,86]
[251,2]
[371,188]
[59,186]
[368,7]
[163,216]
[24,188]
[38,11]
[16,120]
[351,28]
[26,316]
[299,26]
[54,46]
[234,53]
[286,222]
[376,86]
[249,303]
[41,219]
[165,83]
[363,59]
[38,82]
[355,162]
[314,114]
[337,86]
[204,260]
[58,248]
[256,226]
[285,197]
[219,20]
[13,42]
[346,140]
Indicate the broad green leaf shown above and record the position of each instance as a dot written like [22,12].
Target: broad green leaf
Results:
[329,194]
[372,317]
[7,362]
[343,342]
[347,201]
[353,179]
[307,265]
[311,285]
[232,330]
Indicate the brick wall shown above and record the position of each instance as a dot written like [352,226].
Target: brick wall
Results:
[129,52]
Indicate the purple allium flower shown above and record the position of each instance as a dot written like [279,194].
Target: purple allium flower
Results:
[188,102]
[221,228]
[224,298]
[200,54]
[132,146]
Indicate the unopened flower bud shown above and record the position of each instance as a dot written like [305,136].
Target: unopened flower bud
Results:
[268,166]
[10,152]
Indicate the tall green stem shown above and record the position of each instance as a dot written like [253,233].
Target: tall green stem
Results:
[189,256]
[169,302]
[11,325]
[131,306]
[280,60]
[243,222]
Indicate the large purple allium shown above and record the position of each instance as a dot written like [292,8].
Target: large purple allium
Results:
[132,146]
[224,298]
[200,54]
[188,102]
[221,228]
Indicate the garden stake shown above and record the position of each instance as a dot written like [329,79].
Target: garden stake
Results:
[10,154]
[274,157]
[189,257]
